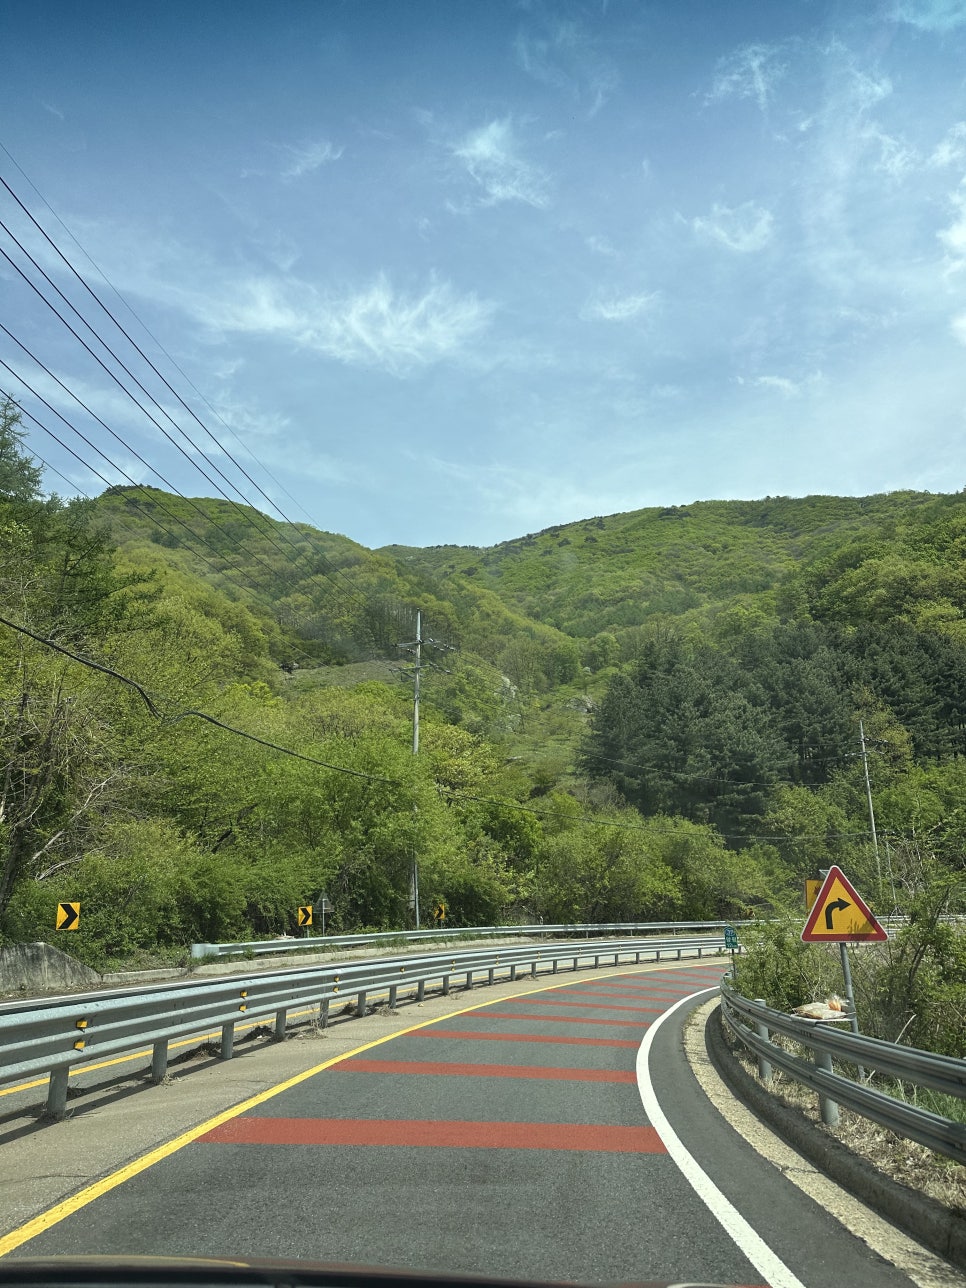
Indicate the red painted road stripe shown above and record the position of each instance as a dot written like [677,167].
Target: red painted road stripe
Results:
[676,976]
[485,1070]
[671,993]
[653,995]
[564,1019]
[520,1037]
[460,1135]
[599,1006]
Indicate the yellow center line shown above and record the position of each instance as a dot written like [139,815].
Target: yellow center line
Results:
[60,1211]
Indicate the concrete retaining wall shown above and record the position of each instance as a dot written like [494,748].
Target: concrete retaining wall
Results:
[38,968]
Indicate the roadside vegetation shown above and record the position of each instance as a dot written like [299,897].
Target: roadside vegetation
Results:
[911,989]
[644,716]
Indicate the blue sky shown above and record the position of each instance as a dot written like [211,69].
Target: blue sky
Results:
[456,271]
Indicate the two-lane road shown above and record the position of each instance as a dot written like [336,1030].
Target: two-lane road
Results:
[508,1138]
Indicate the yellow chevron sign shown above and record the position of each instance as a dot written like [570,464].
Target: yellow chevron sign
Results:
[68,916]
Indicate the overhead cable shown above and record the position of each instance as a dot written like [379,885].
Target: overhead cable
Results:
[266,533]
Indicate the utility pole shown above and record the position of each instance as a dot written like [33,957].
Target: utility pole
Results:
[416,648]
[868,794]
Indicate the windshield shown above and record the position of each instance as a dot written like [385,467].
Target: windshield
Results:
[492,469]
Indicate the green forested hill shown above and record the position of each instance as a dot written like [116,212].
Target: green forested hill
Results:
[605,574]
[205,719]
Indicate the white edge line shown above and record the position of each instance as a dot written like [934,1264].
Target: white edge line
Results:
[777,1274]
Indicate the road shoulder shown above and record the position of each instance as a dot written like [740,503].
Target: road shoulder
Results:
[817,1163]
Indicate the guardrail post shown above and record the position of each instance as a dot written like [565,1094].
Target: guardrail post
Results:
[446,986]
[513,972]
[490,974]
[421,990]
[533,970]
[159,1060]
[361,1003]
[829,1109]
[761,1028]
[678,956]
[324,1013]
[281,1016]
[227,1040]
[57,1093]
[555,965]
[392,997]
[469,979]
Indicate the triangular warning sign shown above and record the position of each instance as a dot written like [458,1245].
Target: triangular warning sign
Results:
[840,915]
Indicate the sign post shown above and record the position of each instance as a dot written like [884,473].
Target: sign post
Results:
[812,888]
[731,942]
[322,906]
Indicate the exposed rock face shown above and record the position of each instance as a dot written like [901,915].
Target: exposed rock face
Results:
[38,968]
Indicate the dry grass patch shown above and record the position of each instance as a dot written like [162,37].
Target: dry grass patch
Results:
[902,1160]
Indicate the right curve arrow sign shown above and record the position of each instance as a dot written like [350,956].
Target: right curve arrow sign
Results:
[840,915]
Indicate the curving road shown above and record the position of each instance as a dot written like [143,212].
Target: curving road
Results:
[557,1134]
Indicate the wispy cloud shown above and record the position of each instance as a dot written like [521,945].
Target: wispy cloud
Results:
[952,148]
[896,157]
[490,155]
[564,56]
[932,15]
[306,157]
[374,323]
[743,228]
[953,238]
[959,328]
[621,308]
[397,331]
[373,326]
[752,71]
[785,386]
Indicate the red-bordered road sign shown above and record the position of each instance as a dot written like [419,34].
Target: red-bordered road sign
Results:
[840,915]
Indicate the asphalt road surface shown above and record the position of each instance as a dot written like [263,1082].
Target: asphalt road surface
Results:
[532,1136]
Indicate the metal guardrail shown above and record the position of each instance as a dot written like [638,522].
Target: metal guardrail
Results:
[53,1037]
[261,947]
[905,1064]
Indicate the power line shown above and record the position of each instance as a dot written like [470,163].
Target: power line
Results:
[377,613]
[708,778]
[71,483]
[273,573]
[153,338]
[219,572]
[329,569]
[643,827]
[246,517]
[155,710]
[188,501]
